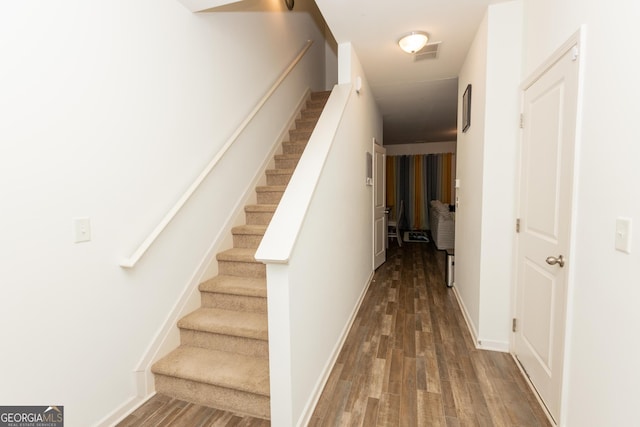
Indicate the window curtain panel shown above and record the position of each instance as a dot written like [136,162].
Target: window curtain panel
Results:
[417,180]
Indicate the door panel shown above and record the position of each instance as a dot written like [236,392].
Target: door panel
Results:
[542,205]
[545,210]
[536,325]
[379,200]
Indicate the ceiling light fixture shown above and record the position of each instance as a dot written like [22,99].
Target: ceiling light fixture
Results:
[413,42]
[289,4]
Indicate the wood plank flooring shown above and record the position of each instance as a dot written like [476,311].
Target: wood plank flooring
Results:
[164,411]
[408,361]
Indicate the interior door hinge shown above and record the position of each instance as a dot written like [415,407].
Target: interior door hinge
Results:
[513,324]
[521,121]
[517,225]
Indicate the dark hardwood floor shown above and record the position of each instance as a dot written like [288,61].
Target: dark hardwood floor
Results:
[408,361]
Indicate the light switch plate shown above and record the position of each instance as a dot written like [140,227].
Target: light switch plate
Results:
[81,230]
[623,235]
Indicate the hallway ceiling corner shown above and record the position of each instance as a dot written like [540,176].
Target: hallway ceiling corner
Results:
[417,97]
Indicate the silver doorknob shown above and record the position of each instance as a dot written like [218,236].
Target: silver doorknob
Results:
[553,260]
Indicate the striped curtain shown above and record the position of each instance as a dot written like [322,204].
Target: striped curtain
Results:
[417,180]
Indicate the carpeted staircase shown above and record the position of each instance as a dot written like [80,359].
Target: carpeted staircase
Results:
[223,357]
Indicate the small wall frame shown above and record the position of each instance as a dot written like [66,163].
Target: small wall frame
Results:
[466,109]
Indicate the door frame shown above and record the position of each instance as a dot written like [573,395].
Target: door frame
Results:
[576,40]
[379,148]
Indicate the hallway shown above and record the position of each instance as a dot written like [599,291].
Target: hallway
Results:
[408,361]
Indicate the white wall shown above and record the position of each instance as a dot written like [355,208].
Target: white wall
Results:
[469,172]
[319,247]
[487,159]
[603,350]
[504,68]
[109,110]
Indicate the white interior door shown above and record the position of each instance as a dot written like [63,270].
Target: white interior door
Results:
[379,205]
[546,193]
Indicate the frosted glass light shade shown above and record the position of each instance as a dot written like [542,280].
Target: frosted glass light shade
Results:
[413,42]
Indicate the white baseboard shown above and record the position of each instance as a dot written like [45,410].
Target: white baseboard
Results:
[467,318]
[317,391]
[501,346]
[123,411]
[479,342]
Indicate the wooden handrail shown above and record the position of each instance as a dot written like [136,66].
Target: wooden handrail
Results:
[146,244]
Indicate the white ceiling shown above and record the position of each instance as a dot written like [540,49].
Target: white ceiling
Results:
[417,98]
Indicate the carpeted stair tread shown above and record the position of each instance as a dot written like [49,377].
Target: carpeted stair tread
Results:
[219,368]
[287,156]
[236,285]
[324,94]
[300,134]
[249,229]
[279,171]
[306,123]
[311,114]
[261,208]
[238,255]
[227,322]
[270,188]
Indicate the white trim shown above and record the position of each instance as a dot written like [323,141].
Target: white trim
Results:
[123,411]
[500,346]
[307,412]
[467,318]
[478,342]
[575,39]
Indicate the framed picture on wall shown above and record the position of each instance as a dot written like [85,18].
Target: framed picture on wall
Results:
[466,109]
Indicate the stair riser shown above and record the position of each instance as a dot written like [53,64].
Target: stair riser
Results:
[314,104]
[320,96]
[214,397]
[286,163]
[278,178]
[228,343]
[259,218]
[234,302]
[243,269]
[269,197]
[300,134]
[310,114]
[294,147]
[302,124]
[247,240]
